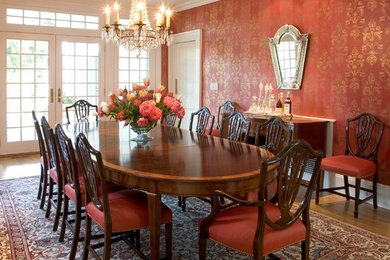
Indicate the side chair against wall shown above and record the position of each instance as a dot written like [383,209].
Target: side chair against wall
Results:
[363,135]
[237,127]
[55,175]
[205,121]
[259,227]
[119,213]
[224,110]
[171,120]
[43,181]
[81,109]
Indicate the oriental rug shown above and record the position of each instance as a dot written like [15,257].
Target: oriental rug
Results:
[26,234]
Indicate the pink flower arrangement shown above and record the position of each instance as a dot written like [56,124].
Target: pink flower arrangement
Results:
[141,107]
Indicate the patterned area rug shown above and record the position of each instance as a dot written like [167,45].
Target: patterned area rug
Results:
[26,234]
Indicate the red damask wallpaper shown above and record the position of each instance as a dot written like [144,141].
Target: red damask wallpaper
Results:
[347,68]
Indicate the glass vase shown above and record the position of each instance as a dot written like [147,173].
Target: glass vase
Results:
[143,133]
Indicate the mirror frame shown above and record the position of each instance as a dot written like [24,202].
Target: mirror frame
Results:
[301,41]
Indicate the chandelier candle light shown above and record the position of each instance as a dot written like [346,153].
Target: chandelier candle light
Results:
[138,34]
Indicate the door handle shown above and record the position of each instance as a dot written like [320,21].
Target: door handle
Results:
[51,95]
[176,86]
[59,95]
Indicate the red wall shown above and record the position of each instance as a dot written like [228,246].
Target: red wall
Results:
[347,69]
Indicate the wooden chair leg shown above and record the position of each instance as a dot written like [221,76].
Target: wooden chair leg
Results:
[318,184]
[44,191]
[59,205]
[138,239]
[346,186]
[179,201]
[76,234]
[168,241]
[64,218]
[40,183]
[183,203]
[87,238]
[107,245]
[202,247]
[375,190]
[357,197]
[48,207]
[305,249]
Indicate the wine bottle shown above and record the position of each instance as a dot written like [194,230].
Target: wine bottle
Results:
[279,105]
[287,105]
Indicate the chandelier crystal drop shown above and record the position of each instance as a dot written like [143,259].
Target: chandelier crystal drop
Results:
[138,34]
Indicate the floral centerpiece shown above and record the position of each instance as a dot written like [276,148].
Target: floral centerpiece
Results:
[141,108]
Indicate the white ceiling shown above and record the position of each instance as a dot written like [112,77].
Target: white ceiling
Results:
[179,5]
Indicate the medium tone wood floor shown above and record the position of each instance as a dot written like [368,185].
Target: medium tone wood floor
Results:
[376,221]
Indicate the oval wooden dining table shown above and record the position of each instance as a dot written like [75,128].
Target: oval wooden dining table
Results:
[176,162]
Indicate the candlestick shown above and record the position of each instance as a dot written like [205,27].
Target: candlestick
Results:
[116,8]
[168,22]
[107,11]
[158,19]
[140,9]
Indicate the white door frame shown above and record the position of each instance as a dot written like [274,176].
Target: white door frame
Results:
[26,146]
[194,35]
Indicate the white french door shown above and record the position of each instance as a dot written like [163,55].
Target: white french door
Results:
[44,73]
[26,79]
[78,72]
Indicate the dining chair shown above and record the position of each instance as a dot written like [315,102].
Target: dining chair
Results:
[117,213]
[74,188]
[43,182]
[277,134]
[54,174]
[235,127]
[363,135]
[224,110]
[81,108]
[259,227]
[171,120]
[205,121]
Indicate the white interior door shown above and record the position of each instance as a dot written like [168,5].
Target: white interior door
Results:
[78,73]
[185,71]
[26,79]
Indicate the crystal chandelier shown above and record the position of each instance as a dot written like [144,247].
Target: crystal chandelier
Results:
[138,34]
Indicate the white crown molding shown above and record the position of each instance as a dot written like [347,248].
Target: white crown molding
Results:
[192,3]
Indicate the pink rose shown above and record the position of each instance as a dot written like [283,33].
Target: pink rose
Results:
[170,94]
[120,116]
[111,106]
[112,96]
[100,112]
[181,113]
[142,122]
[176,107]
[155,114]
[168,101]
[146,108]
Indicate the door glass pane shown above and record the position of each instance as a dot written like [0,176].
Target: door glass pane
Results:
[133,67]
[80,74]
[27,65]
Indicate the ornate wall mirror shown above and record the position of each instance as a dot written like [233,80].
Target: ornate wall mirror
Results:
[288,52]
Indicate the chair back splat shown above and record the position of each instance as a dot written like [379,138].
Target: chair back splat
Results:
[224,110]
[170,120]
[81,108]
[277,134]
[238,127]
[205,121]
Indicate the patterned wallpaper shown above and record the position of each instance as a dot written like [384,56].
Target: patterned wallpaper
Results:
[347,68]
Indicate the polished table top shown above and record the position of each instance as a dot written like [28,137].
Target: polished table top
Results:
[176,162]
[174,154]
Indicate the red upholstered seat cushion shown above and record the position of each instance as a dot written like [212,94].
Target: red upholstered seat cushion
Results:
[53,175]
[215,132]
[349,165]
[236,228]
[129,211]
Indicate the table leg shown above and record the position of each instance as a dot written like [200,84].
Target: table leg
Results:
[154,207]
